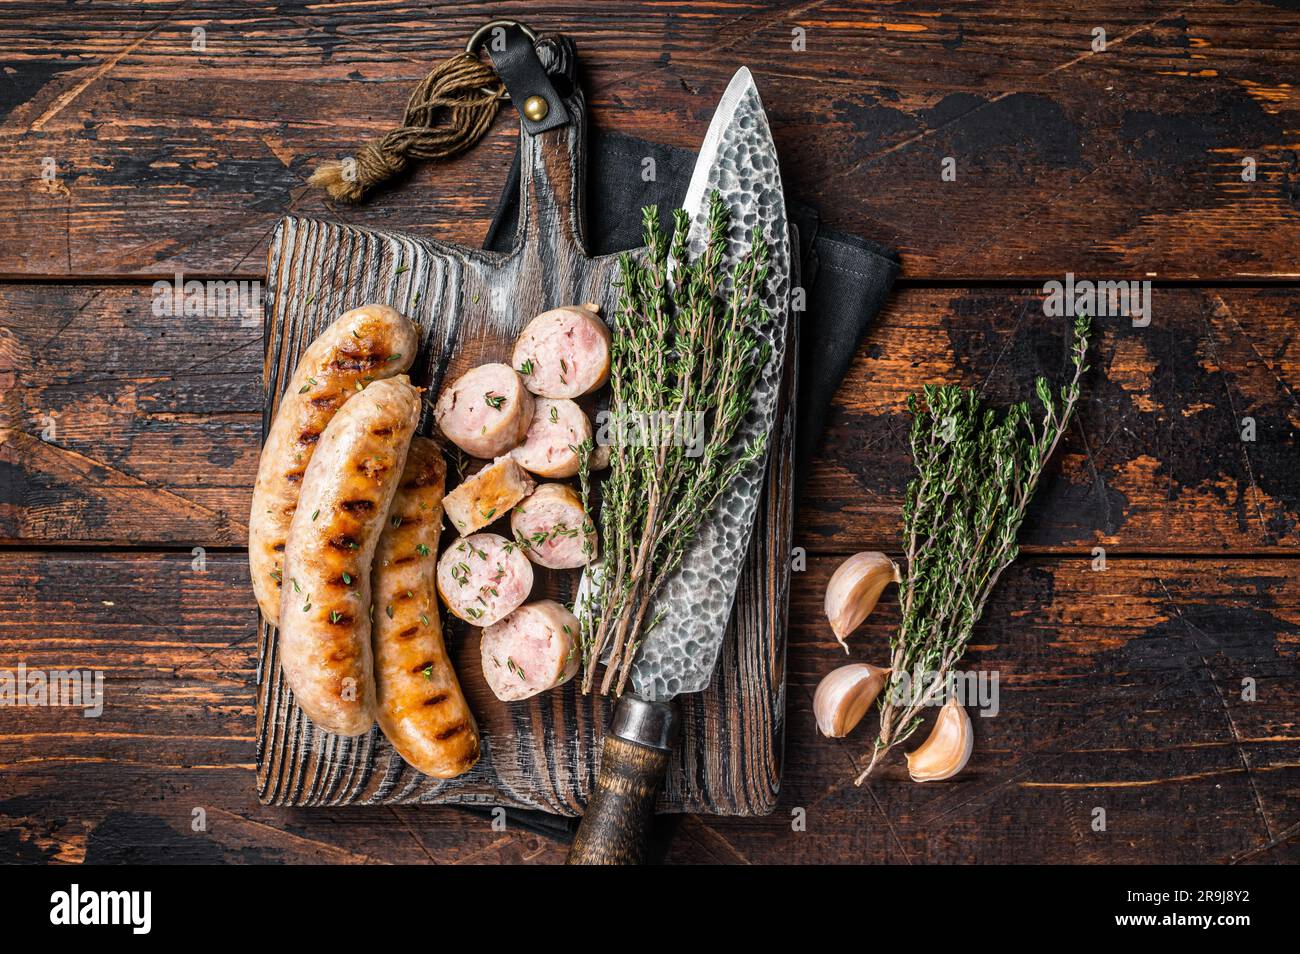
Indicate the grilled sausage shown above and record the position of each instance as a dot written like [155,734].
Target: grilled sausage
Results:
[564,352]
[483,577]
[367,343]
[488,495]
[419,702]
[486,411]
[325,606]
[549,527]
[558,427]
[533,649]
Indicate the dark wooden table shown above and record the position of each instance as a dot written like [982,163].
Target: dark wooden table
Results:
[130,440]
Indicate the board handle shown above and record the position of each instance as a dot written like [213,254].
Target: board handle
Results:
[616,827]
[552,161]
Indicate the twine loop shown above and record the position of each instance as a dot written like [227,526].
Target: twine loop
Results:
[451,110]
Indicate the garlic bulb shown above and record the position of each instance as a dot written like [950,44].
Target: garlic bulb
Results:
[947,750]
[844,695]
[854,589]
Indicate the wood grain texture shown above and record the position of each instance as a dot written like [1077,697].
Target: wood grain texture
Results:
[471,305]
[157,420]
[1120,689]
[1126,161]
[1158,457]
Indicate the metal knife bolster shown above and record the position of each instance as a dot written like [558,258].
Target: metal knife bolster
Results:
[652,724]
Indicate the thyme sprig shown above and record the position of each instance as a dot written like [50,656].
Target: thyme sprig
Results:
[975,477]
[684,359]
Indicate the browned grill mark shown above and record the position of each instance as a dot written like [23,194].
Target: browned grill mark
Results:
[400,560]
[471,753]
[342,655]
[340,619]
[279,547]
[351,366]
[309,437]
[425,478]
[408,632]
[343,542]
[294,476]
[340,582]
[381,431]
[354,361]
[458,729]
[419,670]
[407,595]
[323,401]
[358,506]
[436,700]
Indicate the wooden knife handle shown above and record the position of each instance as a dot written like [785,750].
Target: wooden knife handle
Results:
[616,827]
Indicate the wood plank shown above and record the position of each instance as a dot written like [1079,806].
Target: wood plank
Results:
[157,419]
[1122,162]
[122,425]
[1156,460]
[1120,690]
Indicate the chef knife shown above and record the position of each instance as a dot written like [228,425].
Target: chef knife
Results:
[737,160]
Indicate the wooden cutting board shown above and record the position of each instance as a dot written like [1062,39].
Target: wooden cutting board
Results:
[471,304]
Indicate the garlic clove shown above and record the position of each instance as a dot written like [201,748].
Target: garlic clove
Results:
[947,750]
[854,588]
[844,696]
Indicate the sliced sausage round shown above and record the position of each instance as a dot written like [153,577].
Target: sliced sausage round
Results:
[488,495]
[564,352]
[483,577]
[549,526]
[362,345]
[533,649]
[486,411]
[558,426]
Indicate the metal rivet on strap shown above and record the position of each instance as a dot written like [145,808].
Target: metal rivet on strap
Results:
[536,108]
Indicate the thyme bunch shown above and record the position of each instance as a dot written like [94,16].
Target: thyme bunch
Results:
[976,473]
[685,356]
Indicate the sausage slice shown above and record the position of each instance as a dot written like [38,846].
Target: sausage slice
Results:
[486,411]
[419,702]
[483,577]
[488,495]
[533,649]
[365,344]
[564,352]
[558,426]
[325,603]
[549,527]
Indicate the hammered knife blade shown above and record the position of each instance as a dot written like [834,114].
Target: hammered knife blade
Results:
[738,160]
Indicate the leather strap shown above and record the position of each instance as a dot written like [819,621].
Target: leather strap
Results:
[524,76]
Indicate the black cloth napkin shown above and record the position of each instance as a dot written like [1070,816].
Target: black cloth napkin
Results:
[846,278]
